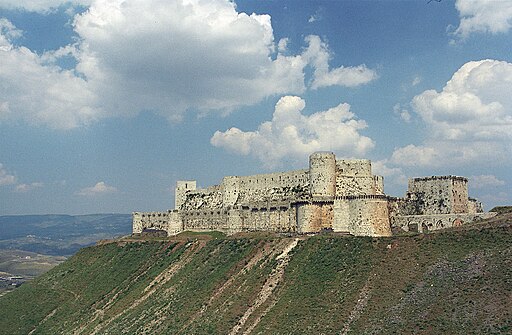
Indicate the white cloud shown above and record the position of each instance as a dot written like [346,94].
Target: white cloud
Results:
[412,155]
[317,54]
[40,6]
[38,92]
[484,181]
[98,189]
[5,177]
[8,179]
[393,175]
[194,55]
[170,57]
[416,81]
[290,134]
[469,121]
[402,113]
[23,188]
[381,168]
[486,16]
[282,46]
[8,32]
[317,16]
[181,55]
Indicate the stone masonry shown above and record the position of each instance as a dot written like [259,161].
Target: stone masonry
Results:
[336,195]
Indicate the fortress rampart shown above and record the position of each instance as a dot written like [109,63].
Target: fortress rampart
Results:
[339,195]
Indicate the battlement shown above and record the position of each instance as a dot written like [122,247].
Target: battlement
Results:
[359,197]
[442,178]
[338,194]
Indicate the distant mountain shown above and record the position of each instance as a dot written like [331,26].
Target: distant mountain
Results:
[456,281]
[60,235]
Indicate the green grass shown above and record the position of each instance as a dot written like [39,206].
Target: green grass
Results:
[502,209]
[321,284]
[192,234]
[456,282]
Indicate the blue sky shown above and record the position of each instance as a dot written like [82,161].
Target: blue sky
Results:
[104,105]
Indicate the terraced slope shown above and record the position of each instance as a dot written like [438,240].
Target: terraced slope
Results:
[456,282]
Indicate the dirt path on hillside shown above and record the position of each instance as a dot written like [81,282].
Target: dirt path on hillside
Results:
[152,287]
[362,301]
[266,291]
[366,292]
[43,321]
[261,252]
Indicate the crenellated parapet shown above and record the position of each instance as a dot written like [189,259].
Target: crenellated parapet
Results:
[362,197]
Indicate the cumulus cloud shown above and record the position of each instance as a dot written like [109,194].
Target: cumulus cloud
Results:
[23,188]
[412,155]
[184,55]
[5,177]
[8,32]
[486,16]
[394,175]
[38,92]
[317,54]
[40,6]
[170,57]
[181,55]
[98,189]
[469,121]
[291,134]
[485,181]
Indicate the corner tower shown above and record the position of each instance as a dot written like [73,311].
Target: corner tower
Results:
[440,194]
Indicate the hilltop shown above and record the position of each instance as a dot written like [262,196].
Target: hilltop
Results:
[454,282]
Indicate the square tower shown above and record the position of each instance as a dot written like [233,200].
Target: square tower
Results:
[440,194]
[182,187]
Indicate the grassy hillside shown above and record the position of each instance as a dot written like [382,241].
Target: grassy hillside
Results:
[456,282]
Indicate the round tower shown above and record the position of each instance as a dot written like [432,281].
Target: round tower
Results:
[322,175]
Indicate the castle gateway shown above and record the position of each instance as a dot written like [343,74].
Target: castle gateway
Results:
[339,195]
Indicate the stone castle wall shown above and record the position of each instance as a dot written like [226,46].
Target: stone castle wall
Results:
[263,188]
[354,177]
[440,195]
[342,195]
[460,203]
[425,223]
[154,220]
[474,206]
[362,215]
[314,217]
[229,221]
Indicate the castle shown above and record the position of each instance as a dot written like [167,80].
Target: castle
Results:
[335,195]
